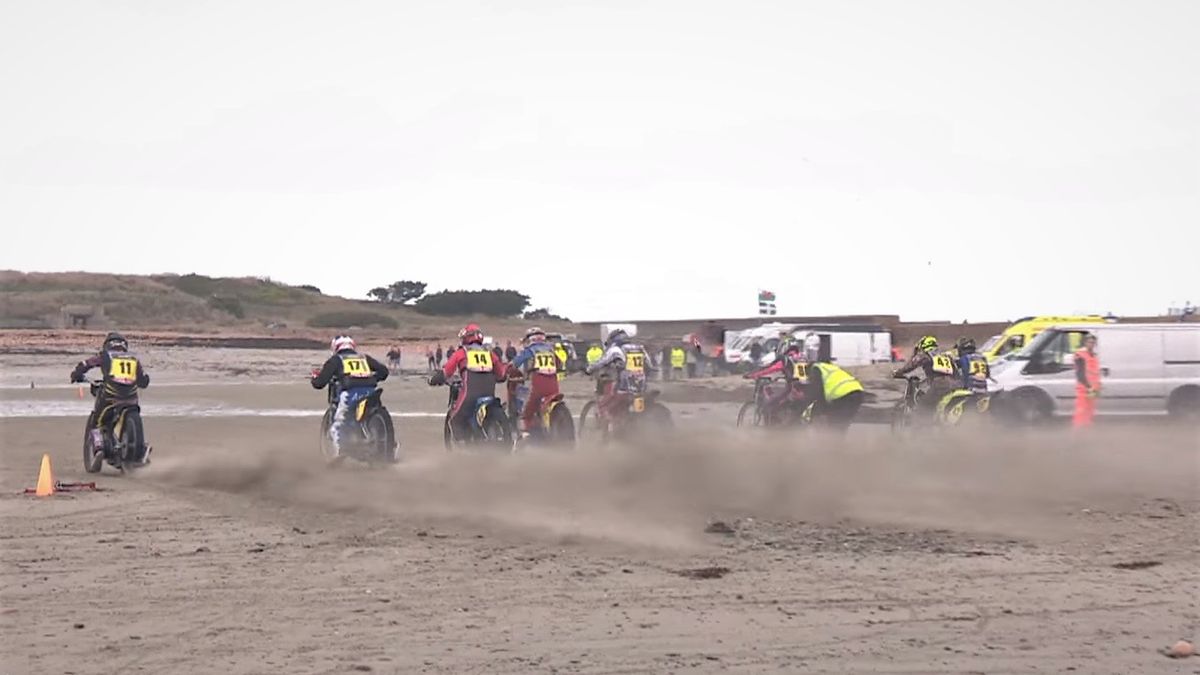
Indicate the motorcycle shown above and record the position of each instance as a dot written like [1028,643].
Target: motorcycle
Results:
[637,412]
[369,437]
[754,412]
[555,424]
[488,425]
[123,438]
[949,411]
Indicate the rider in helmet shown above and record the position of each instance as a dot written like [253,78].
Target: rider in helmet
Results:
[795,374]
[540,363]
[123,376]
[972,366]
[354,376]
[479,369]
[941,373]
[622,370]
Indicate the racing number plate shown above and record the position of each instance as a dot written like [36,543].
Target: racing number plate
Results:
[123,370]
[943,364]
[544,363]
[639,405]
[635,363]
[799,372]
[479,360]
[355,366]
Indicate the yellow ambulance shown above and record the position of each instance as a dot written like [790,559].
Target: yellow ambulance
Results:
[1022,331]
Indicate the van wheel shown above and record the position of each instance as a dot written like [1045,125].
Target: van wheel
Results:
[1184,404]
[1030,407]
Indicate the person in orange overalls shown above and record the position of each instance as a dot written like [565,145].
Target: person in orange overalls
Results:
[1087,382]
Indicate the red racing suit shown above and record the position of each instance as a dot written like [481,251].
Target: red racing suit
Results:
[795,373]
[480,370]
[541,365]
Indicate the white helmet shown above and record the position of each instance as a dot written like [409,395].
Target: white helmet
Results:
[341,343]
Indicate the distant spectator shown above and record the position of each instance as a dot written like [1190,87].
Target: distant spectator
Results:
[439,355]
[498,353]
[510,352]
[755,351]
[393,356]
[678,361]
[433,365]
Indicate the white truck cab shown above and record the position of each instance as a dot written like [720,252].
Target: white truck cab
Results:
[1146,369]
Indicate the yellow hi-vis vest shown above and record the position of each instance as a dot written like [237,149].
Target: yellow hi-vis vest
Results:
[593,354]
[561,352]
[837,382]
[678,357]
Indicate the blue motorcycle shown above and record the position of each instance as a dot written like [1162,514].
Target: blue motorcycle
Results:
[488,426]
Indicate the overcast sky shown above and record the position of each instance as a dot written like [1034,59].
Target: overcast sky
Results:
[618,159]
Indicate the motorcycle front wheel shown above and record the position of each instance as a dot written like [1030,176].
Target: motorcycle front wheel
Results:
[93,458]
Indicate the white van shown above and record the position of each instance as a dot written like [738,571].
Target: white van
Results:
[843,344]
[1146,369]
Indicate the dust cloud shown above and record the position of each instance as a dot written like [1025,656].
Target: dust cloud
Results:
[660,492]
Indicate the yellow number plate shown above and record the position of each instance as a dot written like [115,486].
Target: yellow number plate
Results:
[479,361]
[943,364]
[800,371]
[639,405]
[979,368]
[355,366]
[123,371]
[544,363]
[635,363]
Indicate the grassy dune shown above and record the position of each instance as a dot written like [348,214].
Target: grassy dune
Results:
[198,304]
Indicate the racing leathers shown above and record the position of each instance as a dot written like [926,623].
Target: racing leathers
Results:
[540,364]
[941,377]
[123,376]
[974,370]
[622,370]
[480,370]
[354,377]
[795,375]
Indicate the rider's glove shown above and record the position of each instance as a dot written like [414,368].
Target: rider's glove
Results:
[76,377]
[315,372]
[437,378]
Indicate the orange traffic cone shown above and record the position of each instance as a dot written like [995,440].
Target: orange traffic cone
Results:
[80,390]
[45,486]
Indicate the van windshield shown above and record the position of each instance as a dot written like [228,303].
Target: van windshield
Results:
[1034,345]
[987,346]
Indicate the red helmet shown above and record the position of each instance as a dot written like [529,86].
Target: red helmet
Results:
[471,334]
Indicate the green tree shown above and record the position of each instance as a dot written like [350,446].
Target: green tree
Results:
[404,292]
[485,302]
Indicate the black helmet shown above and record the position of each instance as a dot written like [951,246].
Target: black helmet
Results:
[115,342]
[617,337]
[965,345]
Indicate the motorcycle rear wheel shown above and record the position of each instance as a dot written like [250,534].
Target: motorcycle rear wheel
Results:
[131,443]
[562,427]
[382,433]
